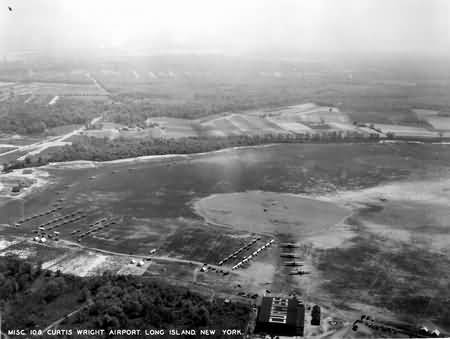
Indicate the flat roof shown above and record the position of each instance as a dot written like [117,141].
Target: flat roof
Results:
[281,311]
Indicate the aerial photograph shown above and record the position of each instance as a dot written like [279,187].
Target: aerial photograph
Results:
[224,169]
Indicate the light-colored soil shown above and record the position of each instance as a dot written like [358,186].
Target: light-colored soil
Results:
[172,127]
[82,264]
[268,212]
[291,126]
[440,123]
[133,269]
[285,120]
[6,243]
[22,253]
[401,130]
[415,212]
[433,191]
[255,124]
[34,180]
[424,113]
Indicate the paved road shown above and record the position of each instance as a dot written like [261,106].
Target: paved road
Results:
[68,243]
[40,146]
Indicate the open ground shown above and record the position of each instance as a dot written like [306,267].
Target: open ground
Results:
[366,221]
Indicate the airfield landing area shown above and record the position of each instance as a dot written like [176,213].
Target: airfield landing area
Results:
[355,215]
[269,212]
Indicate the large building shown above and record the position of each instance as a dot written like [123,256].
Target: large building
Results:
[281,316]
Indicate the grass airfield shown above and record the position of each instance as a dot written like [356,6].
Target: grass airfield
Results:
[368,221]
[271,213]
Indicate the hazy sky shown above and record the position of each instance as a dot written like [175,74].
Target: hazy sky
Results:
[233,26]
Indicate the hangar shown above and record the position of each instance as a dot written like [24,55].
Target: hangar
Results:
[280,316]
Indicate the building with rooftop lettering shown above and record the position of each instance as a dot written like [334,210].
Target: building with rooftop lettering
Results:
[280,316]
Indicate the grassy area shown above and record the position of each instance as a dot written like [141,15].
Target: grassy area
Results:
[406,280]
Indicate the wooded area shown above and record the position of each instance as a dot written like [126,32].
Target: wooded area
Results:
[104,149]
[31,297]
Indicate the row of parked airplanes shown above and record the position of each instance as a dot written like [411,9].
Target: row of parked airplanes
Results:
[293,263]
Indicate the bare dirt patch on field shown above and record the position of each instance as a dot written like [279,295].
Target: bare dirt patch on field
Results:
[311,113]
[291,126]
[172,127]
[6,243]
[439,123]
[81,264]
[27,181]
[415,212]
[435,191]
[267,212]
[425,113]
[406,131]
[221,127]
[19,250]
[254,125]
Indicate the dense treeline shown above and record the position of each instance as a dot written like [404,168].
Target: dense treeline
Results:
[135,103]
[96,149]
[198,86]
[130,302]
[33,298]
[192,103]
[30,118]
[27,293]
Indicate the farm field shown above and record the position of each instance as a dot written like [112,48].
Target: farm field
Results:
[46,92]
[225,170]
[406,131]
[309,118]
[311,113]
[367,221]
[439,122]
[288,121]
[178,213]
[171,127]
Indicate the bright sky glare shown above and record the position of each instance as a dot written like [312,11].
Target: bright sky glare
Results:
[234,26]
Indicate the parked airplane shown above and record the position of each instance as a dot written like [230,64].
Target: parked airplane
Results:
[299,272]
[293,263]
[289,245]
[289,255]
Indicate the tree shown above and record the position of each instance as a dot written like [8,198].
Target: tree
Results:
[53,289]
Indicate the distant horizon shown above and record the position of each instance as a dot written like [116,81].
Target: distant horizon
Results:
[93,54]
[283,28]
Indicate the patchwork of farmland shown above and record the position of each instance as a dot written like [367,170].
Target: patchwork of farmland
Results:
[291,126]
[35,90]
[311,113]
[221,127]
[300,119]
[171,127]
[290,120]
[285,121]
[439,122]
[406,131]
